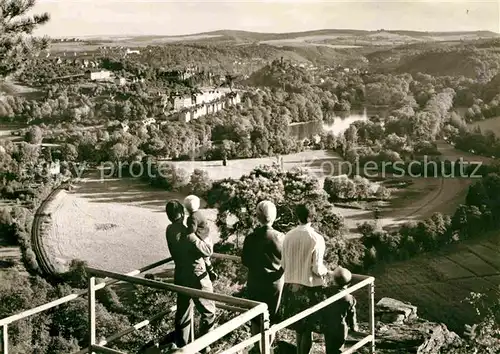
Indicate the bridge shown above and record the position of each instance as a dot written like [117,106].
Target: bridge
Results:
[246,310]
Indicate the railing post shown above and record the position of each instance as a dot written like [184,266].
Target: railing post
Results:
[191,326]
[265,338]
[91,298]
[371,297]
[5,339]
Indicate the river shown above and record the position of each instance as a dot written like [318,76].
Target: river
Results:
[339,125]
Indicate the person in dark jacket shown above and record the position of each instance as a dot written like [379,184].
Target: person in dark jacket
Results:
[340,316]
[188,252]
[262,256]
[198,225]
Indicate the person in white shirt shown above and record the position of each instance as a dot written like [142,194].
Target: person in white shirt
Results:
[304,271]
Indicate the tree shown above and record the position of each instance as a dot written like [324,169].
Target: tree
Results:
[237,199]
[69,152]
[199,183]
[483,337]
[17,26]
[34,135]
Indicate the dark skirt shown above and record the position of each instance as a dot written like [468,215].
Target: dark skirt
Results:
[297,301]
[268,292]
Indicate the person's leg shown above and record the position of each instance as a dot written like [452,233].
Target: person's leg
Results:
[255,329]
[333,343]
[304,342]
[183,319]
[206,308]
[273,301]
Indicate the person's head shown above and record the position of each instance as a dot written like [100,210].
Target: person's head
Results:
[174,210]
[304,213]
[342,277]
[192,203]
[266,212]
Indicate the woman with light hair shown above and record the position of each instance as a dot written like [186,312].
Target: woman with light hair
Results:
[262,256]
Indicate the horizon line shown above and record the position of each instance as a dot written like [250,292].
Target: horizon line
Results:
[271,33]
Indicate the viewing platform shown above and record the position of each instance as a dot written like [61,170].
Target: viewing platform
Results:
[245,309]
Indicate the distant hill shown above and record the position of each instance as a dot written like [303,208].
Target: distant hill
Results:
[257,36]
[278,75]
[313,36]
[469,62]
[492,88]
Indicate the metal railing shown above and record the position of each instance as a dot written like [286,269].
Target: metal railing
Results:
[251,310]
[247,310]
[359,281]
[5,322]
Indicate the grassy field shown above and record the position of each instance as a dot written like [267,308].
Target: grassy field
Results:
[491,124]
[110,41]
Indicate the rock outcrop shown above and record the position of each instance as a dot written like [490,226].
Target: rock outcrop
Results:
[399,330]
[415,336]
[390,310]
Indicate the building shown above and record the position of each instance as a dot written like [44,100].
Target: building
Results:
[139,79]
[186,108]
[207,96]
[182,102]
[121,81]
[54,168]
[148,121]
[235,98]
[98,75]
[186,116]
[124,127]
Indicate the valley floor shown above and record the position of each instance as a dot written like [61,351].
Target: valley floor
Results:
[119,224]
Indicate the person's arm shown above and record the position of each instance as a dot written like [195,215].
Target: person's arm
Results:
[167,238]
[318,267]
[351,317]
[277,245]
[203,247]
[191,224]
[284,253]
[246,253]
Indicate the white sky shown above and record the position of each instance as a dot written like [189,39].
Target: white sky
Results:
[164,17]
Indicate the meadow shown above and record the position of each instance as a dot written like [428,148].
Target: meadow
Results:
[491,124]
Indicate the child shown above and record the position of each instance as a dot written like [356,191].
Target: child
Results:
[340,316]
[197,224]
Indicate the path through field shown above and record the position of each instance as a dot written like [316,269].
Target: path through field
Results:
[434,194]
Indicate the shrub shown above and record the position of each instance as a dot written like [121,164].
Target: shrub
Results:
[238,198]
[199,183]
[484,337]
[62,345]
